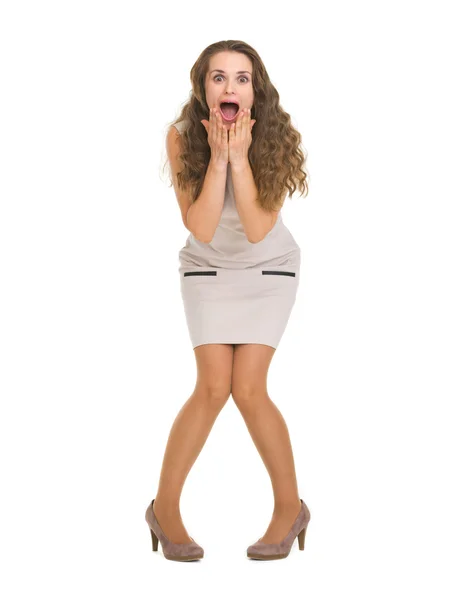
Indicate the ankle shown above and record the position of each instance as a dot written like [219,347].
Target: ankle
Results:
[167,506]
[287,507]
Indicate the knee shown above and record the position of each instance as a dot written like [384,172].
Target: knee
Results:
[213,395]
[248,396]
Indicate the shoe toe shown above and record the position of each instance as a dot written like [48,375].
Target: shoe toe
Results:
[261,549]
[196,550]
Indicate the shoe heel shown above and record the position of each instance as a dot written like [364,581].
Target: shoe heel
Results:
[155,540]
[301,539]
[170,550]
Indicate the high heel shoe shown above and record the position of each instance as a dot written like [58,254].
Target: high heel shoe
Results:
[182,552]
[263,551]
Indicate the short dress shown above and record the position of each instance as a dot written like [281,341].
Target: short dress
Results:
[236,292]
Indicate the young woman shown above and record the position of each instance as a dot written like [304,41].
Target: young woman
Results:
[233,154]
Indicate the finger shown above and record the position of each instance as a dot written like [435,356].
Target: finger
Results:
[224,129]
[250,123]
[238,124]
[216,132]
[224,134]
[218,124]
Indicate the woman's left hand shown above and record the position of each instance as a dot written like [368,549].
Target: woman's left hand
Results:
[240,138]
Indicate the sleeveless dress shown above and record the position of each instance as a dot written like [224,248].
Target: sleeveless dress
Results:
[236,292]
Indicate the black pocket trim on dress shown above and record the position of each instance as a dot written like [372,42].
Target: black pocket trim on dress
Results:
[189,273]
[289,273]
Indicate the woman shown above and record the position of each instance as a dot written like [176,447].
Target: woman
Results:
[239,275]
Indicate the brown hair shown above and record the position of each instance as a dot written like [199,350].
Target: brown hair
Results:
[275,154]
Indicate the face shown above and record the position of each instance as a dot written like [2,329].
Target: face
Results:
[224,83]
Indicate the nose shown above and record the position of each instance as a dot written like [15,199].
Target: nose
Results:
[229,89]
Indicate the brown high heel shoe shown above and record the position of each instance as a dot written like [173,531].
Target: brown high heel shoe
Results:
[263,551]
[182,552]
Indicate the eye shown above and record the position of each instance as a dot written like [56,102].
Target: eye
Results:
[241,77]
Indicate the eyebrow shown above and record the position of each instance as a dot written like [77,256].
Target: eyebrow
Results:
[237,72]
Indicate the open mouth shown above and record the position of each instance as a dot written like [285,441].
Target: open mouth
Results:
[229,110]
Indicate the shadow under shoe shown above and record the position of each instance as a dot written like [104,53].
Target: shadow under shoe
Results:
[181,552]
[263,551]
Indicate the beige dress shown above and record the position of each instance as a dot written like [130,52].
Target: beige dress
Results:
[236,292]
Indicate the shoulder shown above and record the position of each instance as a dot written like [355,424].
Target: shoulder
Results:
[173,140]
[179,126]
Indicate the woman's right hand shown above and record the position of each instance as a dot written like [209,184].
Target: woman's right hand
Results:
[217,137]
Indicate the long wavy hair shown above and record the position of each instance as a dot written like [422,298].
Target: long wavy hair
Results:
[275,153]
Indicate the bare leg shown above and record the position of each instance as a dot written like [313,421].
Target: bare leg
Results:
[189,433]
[269,432]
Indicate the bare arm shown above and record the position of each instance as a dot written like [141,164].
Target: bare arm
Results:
[205,213]
[256,222]
[201,217]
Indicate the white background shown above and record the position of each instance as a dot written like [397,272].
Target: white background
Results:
[96,360]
